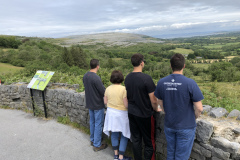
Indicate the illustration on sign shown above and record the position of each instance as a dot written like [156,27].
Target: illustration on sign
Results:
[40,80]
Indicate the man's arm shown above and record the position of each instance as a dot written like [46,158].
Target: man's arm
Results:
[100,87]
[153,100]
[160,103]
[198,108]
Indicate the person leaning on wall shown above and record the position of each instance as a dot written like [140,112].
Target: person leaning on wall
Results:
[141,103]
[180,99]
[94,93]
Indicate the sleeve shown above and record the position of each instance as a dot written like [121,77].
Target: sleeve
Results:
[124,93]
[99,86]
[157,92]
[196,93]
[150,85]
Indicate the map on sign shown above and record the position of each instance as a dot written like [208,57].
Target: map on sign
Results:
[40,80]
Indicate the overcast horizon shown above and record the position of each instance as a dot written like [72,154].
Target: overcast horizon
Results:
[162,19]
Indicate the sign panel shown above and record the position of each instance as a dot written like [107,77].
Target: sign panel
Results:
[40,80]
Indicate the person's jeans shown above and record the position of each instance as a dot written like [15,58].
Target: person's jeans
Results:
[115,143]
[179,143]
[96,126]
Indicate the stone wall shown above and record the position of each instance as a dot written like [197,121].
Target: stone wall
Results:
[217,137]
[59,101]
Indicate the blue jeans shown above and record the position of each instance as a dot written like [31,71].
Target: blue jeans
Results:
[179,143]
[96,126]
[115,143]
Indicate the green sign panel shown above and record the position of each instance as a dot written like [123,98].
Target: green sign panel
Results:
[40,80]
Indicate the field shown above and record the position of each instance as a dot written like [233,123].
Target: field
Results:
[182,51]
[201,65]
[8,68]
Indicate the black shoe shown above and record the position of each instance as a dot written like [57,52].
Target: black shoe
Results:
[103,146]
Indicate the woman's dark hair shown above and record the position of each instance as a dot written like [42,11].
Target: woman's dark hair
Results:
[116,77]
[177,62]
[94,63]
[137,59]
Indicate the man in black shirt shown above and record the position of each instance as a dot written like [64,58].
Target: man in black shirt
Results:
[94,93]
[141,102]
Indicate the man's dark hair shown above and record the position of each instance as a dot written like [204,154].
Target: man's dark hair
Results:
[94,63]
[116,77]
[177,62]
[137,59]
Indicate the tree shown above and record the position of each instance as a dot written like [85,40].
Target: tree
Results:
[191,56]
[67,57]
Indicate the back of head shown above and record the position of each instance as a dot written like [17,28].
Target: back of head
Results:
[94,63]
[137,59]
[117,77]
[177,62]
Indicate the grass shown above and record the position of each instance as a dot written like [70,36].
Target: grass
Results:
[8,68]
[201,65]
[182,51]
[221,94]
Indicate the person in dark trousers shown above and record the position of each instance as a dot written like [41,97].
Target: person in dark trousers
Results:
[180,98]
[94,93]
[141,102]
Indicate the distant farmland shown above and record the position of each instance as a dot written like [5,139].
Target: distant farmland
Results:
[8,68]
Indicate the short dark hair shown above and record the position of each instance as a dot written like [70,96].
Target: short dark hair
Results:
[137,59]
[177,62]
[94,63]
[116,77]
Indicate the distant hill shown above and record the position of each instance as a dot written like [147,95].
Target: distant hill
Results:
[109,39]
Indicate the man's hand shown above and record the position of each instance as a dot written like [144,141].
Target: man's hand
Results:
[198,108]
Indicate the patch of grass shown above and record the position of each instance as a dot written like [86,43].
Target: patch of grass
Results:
[221,94]
[65,120]
[5,107]
[8,68]
[201,65]
[182,51]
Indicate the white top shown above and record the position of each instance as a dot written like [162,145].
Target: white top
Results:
[117,121]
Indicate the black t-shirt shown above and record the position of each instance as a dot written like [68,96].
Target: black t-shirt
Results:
[138,86]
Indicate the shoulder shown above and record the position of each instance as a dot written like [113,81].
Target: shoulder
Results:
[164,79]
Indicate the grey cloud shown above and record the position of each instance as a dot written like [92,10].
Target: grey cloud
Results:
[58,18]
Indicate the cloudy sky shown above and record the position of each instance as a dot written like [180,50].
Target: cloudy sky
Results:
[169,18]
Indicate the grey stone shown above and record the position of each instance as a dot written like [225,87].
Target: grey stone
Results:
[206,108]
[204,131]
[234,113]
[236,130]
[216,152]
[238,118]
[218,112]
[215,158]
[201,150]
[207,146]
[225,145]
[197,156]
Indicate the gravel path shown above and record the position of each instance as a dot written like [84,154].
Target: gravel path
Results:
[25,137]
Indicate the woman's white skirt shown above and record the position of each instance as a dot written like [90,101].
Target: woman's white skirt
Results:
[116,121]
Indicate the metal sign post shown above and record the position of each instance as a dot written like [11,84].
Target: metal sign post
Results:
[39,82]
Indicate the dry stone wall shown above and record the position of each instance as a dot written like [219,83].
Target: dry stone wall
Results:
[217,133]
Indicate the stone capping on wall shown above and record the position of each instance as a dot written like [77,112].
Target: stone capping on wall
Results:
[217,133]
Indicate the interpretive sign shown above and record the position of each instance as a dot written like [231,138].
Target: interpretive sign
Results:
[40,80]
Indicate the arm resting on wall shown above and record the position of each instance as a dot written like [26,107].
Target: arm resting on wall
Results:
[198,108]
[160,102]
[153,100]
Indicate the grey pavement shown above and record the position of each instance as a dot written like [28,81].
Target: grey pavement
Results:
[25,137]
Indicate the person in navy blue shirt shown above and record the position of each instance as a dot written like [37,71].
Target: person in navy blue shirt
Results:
[180,98]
